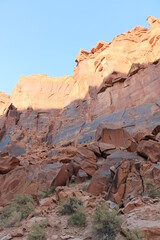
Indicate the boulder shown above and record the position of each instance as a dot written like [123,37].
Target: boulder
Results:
[150,150]
[132,204]
[81,176]
[117,190]
[31,179]
[144,219]
[101,181]
[85,159]
[106,146]
[117,136]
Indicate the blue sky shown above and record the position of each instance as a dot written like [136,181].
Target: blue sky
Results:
[44,36]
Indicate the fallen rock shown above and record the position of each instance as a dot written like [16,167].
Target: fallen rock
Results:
[85,159]
[81,176]
[101,180]
[112,134]
[63,192]
[144,219]
[105,147]
[31,179]
[132,204]
[150,150]
[117,190]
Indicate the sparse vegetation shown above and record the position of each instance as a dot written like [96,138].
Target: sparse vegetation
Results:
[74,207]
[106,223]
[38,231]
[70,205]
[77,219]
[20,208]
[84,186]
[132,235]
[150,189]
[46,192]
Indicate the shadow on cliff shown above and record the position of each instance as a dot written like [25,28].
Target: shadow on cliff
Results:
[77,122]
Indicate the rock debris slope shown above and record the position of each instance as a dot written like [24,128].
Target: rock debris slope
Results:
[100,126]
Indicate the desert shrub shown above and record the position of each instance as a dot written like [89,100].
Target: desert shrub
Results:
[151,190]
[46,192]
[70,206]
[38,231]
[9,216]
[24,204]
[106,223]
[84,186]
[132,235]
[19,209]
[77,219]
[23,199]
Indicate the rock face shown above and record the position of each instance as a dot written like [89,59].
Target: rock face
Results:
[115,82]
[99,128]
[106,65]
[100,125]
[4,100]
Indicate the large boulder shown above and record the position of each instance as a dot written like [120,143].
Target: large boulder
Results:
[85,159]
[149,149]
[144,219]
[115,135]
[101,180]
[31,179]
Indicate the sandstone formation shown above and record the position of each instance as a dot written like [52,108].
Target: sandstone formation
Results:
[4,100]
[98,129]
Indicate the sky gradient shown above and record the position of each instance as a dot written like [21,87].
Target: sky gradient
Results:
[44,36]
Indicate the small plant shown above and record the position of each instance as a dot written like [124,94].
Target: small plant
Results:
[46,192]
[132,235]
[37,231]
[77,219]
[20,208]
[106,223]
[24,204]
[151,190]
[84,186]
[70,206]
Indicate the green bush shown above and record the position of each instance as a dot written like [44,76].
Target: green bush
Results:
[106,223]
[77,219]
[70,206]
[151,190]
[37,231]
[132,235]
[20,208]
[46,192]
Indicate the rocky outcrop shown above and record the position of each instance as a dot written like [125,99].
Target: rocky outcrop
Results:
[115,82]
[99,126]
[150,149]
[145,219]
[4,101]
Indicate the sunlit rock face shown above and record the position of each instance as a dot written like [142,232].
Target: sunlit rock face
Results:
[139,46]
[42,92]
[4,100]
